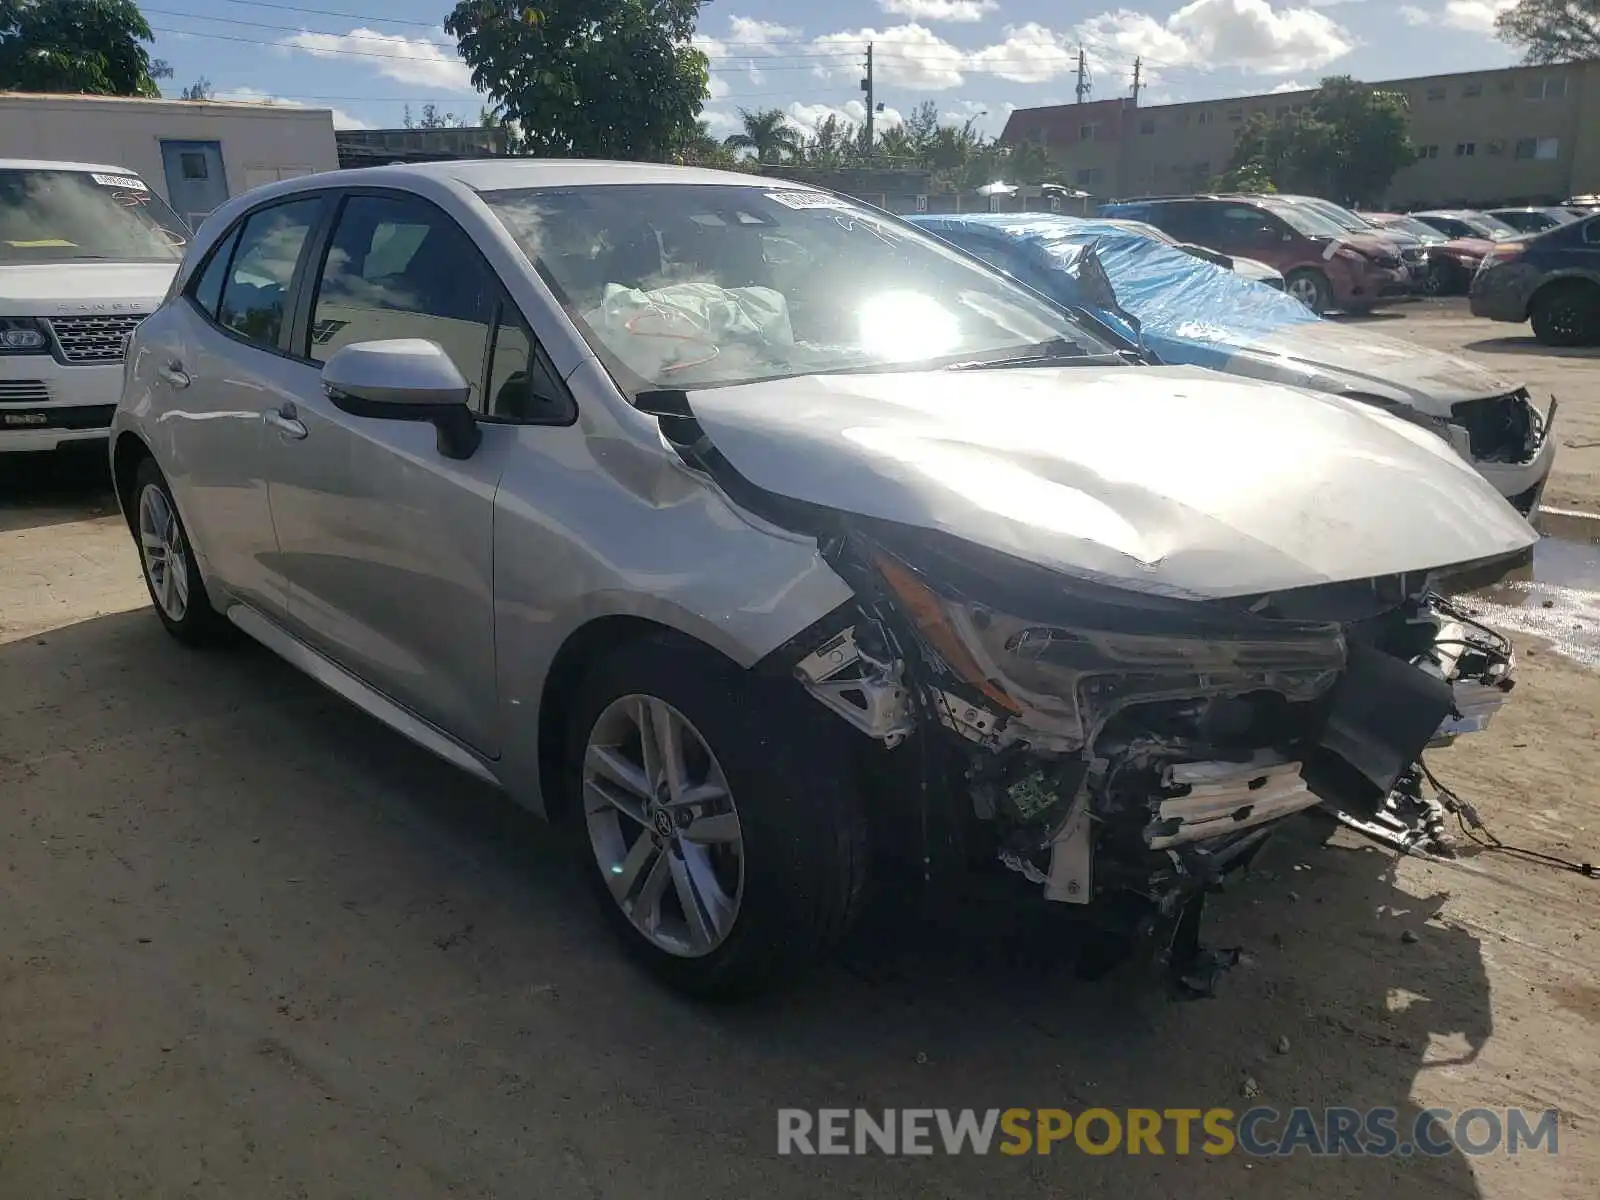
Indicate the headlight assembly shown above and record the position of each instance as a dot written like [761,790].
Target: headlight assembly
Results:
[1066,678]
[23,335]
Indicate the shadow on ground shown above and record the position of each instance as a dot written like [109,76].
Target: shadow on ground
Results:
[258,946]
[1530,345]
[37,490]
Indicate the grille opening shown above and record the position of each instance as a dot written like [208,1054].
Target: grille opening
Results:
[99,339]
[1499,428]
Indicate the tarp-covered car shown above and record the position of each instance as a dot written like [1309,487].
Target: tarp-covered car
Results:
[1193,313]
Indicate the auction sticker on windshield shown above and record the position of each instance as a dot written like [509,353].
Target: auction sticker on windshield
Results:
[120,181]
[803,200]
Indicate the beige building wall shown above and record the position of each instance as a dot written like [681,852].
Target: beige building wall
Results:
[1516,135]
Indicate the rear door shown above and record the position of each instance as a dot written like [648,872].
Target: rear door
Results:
[216,361]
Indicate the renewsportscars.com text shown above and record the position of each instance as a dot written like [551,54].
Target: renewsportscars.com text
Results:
[1260,1131]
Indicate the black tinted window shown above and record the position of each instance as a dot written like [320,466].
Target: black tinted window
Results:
[207,287]
[1591,233]
[523,385]
[256,294]
[398,267]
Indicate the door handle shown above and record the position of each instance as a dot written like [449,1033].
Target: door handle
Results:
[174,374]
[285,422]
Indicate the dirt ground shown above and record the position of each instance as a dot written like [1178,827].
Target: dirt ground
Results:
[255,945]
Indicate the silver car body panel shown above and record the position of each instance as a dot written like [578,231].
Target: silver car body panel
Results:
[1252,487]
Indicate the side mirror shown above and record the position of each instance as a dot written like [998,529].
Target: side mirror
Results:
[405,379]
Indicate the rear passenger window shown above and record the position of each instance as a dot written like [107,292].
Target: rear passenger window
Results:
[397,267]
[1591,233]
[206,291]
[256,294]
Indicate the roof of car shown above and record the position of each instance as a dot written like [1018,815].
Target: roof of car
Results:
[46,164]
[503,174]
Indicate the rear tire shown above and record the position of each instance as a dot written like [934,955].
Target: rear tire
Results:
[170,573]
[1311,288]
[751,865]
[1567,314]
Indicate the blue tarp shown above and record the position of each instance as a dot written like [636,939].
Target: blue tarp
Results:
[1192,312]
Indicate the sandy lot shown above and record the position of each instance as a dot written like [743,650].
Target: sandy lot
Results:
[257,946]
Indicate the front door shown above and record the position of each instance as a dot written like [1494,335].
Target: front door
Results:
[196,183]
[386,543]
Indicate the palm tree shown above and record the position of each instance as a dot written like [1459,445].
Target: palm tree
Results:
[768,133]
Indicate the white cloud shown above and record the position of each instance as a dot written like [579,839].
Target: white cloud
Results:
[719,124]
[407,60]
[1029,53]
[1294,85]
[908,56]
[246,95]
[939,10]
[806,117]
[748,40]
[1472,16]
[1254,36]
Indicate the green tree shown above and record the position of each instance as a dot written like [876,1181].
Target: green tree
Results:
[200,89]
[1346,145]
[1251,176]
[835,143]
[93,46]
[768,132]
[599,78]
[1552,31]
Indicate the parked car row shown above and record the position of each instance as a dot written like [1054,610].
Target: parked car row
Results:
[772,545]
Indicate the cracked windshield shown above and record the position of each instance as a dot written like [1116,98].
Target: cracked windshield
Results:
[687,286]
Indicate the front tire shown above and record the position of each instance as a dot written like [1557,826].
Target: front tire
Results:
[170,573]
[1311,288]
[727,845]
[1567,314]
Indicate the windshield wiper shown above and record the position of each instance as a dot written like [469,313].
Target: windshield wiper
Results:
[1054,353]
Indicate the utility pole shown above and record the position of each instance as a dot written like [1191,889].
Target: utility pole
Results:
[1137,63]
[1083,75]
[872,108]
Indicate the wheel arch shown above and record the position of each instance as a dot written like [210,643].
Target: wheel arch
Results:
[127,453]
[1559,282]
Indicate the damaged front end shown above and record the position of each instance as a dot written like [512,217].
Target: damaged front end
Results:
[1127,751]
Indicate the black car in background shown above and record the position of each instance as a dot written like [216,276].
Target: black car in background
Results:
[1551,279]
[1533,220]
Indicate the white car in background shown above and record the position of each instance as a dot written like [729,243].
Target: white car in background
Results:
[87,251]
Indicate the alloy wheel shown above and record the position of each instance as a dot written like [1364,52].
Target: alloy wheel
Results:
[1304,290]
[663,826]
[166,558]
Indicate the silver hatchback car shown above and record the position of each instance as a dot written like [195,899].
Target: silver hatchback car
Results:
[763,541]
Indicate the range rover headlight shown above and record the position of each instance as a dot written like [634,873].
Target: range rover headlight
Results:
[22,335]
[1067,677]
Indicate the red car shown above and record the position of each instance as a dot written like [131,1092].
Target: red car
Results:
[1452,261]
[1323,266]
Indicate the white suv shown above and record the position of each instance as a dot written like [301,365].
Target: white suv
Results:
[86,253]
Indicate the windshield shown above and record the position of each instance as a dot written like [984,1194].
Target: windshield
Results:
[1307,222]
[1417,229]
[1342,217]
[1489,227]
[689,285]
[63,216]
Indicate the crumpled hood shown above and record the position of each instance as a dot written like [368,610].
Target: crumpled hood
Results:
[82,288]
[1328,356]
[1169,479]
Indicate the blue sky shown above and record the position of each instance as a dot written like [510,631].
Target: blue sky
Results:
[367,59]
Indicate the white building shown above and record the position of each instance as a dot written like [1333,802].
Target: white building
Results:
[195,153]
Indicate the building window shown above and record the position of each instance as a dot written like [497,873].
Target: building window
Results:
[1202,169]
[1471,91]
[1436,93]
[1236,114]
[1545,149]
[1088,176]
[1089,132]
[1147,125]
[193,165]
[1466,149]
[1428,151]
[1204,117]
[1550,88]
